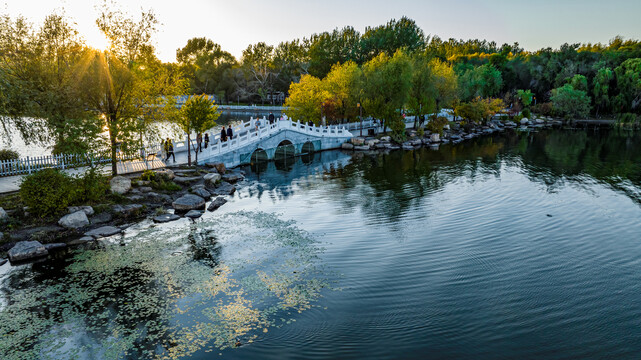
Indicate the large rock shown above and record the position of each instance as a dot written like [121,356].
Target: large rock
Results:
[220,167]
[212,179]
[55,246]
[87,209]
[386,138]
[347,146]
[103,232]
[524,121]
[161,198]
[372,143]
[357,141]
[435,138]
[186,180]
[127,210]
[25,250]
[361,147]
[166,218]
[201,192]
[166,173]
[145,189]
[189,202]
[120,184]
[3,215]
[224,189]
[101,218]
[194,214]
[74,221]
[232,178]
[218,202]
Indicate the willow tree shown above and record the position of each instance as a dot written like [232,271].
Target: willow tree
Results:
[198,114]
[386,88]
[422,95]
[126,84]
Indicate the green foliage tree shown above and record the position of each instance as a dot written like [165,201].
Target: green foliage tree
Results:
[570,103]
[525,97]
[483,81]
[206,64]
[197,115]
[327,49]
[628,76]
[306,99]
[579,82]
[386,89]
[445,84]
[601,89]
[344,84]
[403,34]
[422,94]
[479,110]
[258,65]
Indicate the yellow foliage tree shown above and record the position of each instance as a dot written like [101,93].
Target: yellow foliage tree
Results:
[306,99]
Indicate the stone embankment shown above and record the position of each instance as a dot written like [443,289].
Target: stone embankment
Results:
[200,189]
[449,135]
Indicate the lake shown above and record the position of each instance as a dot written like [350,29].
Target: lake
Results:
[512,246]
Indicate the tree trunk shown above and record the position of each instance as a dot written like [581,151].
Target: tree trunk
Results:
[188,149]
[112,138]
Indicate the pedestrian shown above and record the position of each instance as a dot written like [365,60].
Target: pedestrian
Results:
[310,123]
[169,148]
[199,141]
[206,140]
[163,149]
[257,124]
[271,118]
[223,135]
[230,133]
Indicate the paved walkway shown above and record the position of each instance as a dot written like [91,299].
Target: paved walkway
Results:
[12,183]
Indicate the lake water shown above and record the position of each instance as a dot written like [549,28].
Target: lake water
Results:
[505,247]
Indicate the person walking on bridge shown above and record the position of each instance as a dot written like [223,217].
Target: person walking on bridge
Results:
[230,133]
[206,140]
[169,148]
[223,135]
[271,117]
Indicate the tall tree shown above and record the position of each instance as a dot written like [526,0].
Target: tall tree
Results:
[258,64]
[344,83]
[395,35]
[197,115]
[205,63]
[601,89]
[386,89]
[306,99]
[628,76]
[422,94]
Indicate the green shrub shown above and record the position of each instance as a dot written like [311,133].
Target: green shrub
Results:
[436,125]
[93,186]
[48,192]
[148,175]
[526,113]
[543,109]
[420,132]
[6,154]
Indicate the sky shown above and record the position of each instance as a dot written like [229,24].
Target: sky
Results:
[237,23]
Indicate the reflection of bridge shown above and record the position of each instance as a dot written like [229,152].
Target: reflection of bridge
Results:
[251,141]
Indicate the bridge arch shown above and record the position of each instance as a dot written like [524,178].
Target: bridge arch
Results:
[259,155]
[285,149]
[308,148]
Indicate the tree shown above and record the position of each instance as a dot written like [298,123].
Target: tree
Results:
[445,84]
[525,97]
[479,110]
[403,34]
[306,99]
[197,115]
[601,89]
[422,95]
[386,89]
[292,60]
[570,103]
[579,82]
[258,64]
[344,84]
[205,63]
[628,76]
[327,49]
[483,81]
[127,84]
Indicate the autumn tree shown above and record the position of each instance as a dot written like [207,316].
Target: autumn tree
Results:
[386,89]
[344,84]
[306,99]
[197,115]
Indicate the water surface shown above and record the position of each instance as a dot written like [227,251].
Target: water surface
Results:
[512,246]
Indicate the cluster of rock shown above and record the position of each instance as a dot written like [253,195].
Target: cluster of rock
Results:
[453,136]
[215,183]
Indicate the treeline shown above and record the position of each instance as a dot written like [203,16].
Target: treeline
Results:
[53,87]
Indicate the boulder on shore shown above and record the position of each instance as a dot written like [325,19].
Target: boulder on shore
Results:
[166,218]
[189,202]
[357,141]
[202,193]
[347,146]
[87,209]
[218,202]
[224,189]
[167,173]
[120,184]
[3,215]
[103,232]
[211,179]
[74,221]
[220,167]
[194,214]
[232,178]
[25,250]
[127,210]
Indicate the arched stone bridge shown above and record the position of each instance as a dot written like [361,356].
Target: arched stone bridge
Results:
[264,141]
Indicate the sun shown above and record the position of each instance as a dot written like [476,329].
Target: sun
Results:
[98,41]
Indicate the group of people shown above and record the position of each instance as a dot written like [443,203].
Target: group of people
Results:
[226,134]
